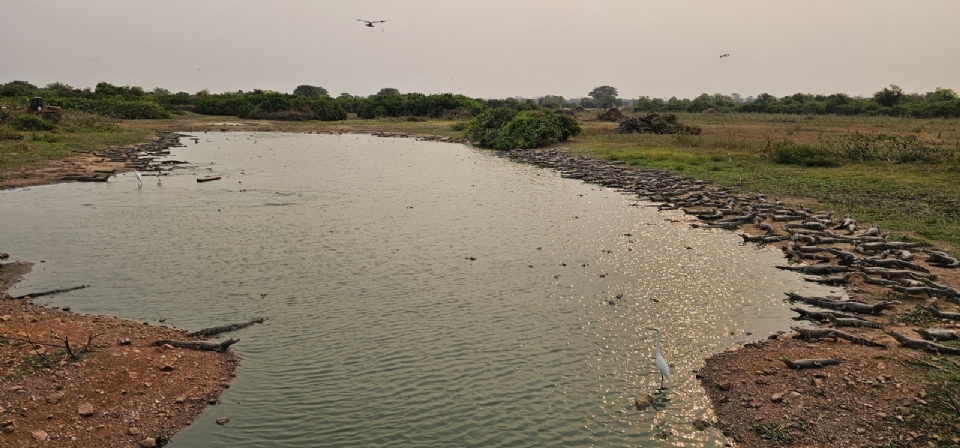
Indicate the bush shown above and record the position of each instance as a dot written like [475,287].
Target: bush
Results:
[505,128]
[30,122]
[791,153]
[8,134]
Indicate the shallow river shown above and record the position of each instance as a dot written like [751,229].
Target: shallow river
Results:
[418,294]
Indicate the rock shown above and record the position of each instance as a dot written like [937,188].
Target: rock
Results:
[124,341]
[40,436]
[7,426]
[85,410]
[133,431]
[166,368]
[223,421]
[701,424]
[6,317]
[167,347]
[163,319]
[180,399]
[725,385]
[149,442]
[777,397]
[28,318]
[818,383]
[54,398]
[643,401]
[15,388]
[66,308]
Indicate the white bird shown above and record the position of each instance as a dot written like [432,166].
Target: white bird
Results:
[661,363]
[371,22]
[139,179]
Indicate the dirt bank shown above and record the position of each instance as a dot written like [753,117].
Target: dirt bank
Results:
[117,394]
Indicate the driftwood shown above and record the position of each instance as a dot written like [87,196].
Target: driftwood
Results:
[225,328]
[920,344]
[832,333]
[198,345]
[47,293]
[937,334]
[810,363]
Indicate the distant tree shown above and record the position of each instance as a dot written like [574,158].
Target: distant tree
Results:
[603,91]
[552,101]
[160,91]
[17,88]
[889,97]
[310,91]
[59,89]
[388,91]
[588,102]
[942,95]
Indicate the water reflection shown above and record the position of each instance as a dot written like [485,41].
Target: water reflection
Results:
[419,293]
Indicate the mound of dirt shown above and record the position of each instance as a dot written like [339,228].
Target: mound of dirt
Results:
[655,123]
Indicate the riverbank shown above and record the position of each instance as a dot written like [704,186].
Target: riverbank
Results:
[878,393]
[118,391]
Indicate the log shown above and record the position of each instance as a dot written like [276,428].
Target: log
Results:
[225,328]
[198,345]
[208,178]
[810,363]
[920,344]
[47,293]
[832,333]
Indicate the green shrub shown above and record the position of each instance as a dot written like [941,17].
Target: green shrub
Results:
[8,134]
[29,122]
[790,153]
[417,119]
[505,128]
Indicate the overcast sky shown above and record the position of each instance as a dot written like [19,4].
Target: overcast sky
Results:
[487,48]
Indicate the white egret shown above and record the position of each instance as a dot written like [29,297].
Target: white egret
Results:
[139,179]
[661,363]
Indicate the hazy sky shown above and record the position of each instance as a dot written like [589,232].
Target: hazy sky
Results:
[487,48]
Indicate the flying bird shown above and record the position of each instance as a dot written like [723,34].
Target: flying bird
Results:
[661,363]
[371,22]
[724,55]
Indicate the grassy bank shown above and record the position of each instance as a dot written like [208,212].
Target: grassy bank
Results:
[919,198]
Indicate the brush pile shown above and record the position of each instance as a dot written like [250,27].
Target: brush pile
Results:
[655,123]
[613,114]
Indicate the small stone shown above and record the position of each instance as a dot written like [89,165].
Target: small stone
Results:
[701,424]
[167,347]
[166,368]
[163,319]
[223,421]
[777,397]
[7,426]
[124,341]
[66,308]
[85,409]
[54,398]
[147,385]
[149,442]
[643,401]
[818,383]
[180,399]
[40,436]
[15,388]
[212,401]
[724,385]
[30,318]
[133,431]
[861,430]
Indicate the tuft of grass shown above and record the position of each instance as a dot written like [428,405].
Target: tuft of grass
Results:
[917,317]
[941,412]
[775,431]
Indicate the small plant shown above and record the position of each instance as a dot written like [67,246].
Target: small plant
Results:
[917,317]
[772,431]
[788,152]
[8,134]
[28,122]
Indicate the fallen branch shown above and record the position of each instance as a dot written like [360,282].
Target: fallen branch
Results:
[225,328]
[198,345]
[47,293]
[810,363]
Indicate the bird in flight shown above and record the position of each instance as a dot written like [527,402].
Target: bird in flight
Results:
[724,55]
[371,22]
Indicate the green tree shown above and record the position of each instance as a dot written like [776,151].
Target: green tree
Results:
[310,91]
[603,91]
[388,91]
[889,97]
[17,88]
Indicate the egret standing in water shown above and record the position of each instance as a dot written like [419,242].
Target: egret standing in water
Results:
[139,179]
[661,363]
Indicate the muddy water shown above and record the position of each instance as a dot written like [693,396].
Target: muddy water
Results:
[418,294]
